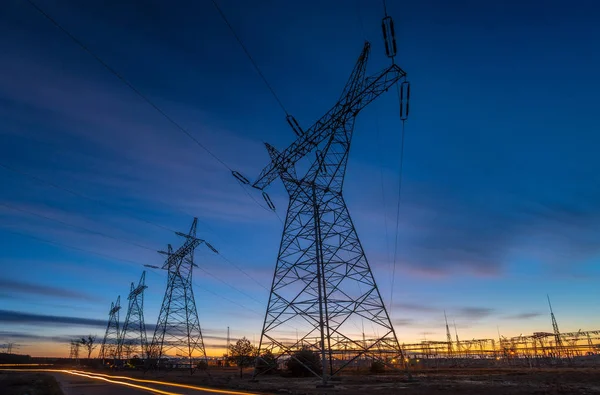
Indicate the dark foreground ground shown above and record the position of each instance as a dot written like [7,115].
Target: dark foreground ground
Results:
[14,383]
[425,382]
[449,381]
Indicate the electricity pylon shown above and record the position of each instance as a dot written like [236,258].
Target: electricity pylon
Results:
[178,332]
[74,351]
[110,343]
[133,336]
[323,286]
[557,338]
[448,336]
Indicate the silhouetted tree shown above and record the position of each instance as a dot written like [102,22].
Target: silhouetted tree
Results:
[89,343]
[242,353]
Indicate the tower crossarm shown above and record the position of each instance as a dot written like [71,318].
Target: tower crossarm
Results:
[373,87]
[175,257]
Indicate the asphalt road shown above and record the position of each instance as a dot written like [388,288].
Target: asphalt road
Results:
[77,385]
[75,382]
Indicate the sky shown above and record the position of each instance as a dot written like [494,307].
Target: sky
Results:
[500,200]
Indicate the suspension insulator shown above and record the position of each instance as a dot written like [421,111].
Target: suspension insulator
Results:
[268,201]
[389,36]
[404,100]
[211,247]
[295,125]
[240,177]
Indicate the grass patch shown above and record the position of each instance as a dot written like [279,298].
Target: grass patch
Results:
[17,383]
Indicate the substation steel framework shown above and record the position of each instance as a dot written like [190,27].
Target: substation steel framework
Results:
[110,342]
[133,339]
[323,287]
[178,328]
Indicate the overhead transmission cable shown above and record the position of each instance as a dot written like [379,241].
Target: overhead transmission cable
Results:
[134,244]
[403,91]
[129,84]
[127,213]
[239,40]
[147,100]
[113,258]
[139,93]
[82,196]
[380,155]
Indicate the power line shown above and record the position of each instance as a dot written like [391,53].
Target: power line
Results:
[82,196]
[397,214]
[106,256]
[40,180]
[126,82]
[76,226]
[134,244]
[239,40]
[144,97]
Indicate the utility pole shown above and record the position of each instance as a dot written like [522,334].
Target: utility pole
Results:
[228,343]
[133,336]
[110,343]
[178,328]
[323,285]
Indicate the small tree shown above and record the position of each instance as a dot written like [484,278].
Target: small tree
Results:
[89,343]
[303,362]
[242,353]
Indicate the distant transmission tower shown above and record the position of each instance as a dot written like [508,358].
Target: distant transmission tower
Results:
[74,352]
[178,331]
[110,343]
[133,336]
[448,336]
[557,338]
[323,286]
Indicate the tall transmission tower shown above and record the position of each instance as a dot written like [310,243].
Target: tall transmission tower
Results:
[323,286]
[110,343]
[133,336]
[557,338]
[178,333]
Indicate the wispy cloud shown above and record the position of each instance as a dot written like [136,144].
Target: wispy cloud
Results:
[15,317]
[474,313]
[11,287]
[523,316]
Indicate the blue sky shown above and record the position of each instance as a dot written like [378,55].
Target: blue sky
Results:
[500,184]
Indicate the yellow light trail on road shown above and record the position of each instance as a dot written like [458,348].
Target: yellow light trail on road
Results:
[192,387]
[142,387]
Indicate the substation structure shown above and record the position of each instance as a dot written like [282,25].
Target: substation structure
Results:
[538,349]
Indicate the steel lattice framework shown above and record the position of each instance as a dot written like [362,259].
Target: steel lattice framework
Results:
[323,289]
[133,336]
[178,333]
[110,343]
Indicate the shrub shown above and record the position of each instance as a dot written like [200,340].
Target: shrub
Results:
[300,363]
[377,367]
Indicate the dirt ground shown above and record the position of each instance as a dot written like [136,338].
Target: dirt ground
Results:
[425,382]
[14,383]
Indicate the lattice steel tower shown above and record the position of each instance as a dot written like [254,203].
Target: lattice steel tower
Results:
[178,330]
[133,336]
[557,338]
[110,343]
[323,286]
